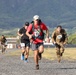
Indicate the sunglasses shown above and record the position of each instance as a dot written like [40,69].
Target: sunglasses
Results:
[37,20]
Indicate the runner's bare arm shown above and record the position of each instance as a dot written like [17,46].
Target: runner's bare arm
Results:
[47,35]
[53,37]
[29,35]
[20,34]
[66,38]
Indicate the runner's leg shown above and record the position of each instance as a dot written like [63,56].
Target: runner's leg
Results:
[23,51]
[26,54]
[36,59]
[41,50]
[61,49]
[58,54]
[36,51]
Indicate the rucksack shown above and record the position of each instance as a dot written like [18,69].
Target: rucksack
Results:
[40,36]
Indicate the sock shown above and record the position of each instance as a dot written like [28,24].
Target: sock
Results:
[23,54]
[25,58]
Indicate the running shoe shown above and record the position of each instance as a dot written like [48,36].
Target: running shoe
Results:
[22,57]
[26,61]
[37,67]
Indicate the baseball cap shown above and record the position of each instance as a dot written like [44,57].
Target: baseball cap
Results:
[59,26]
[36,17]
[26,23]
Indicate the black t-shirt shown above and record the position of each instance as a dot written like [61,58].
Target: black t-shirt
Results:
[24,37]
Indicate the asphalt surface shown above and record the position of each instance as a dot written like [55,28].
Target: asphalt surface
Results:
[12,65]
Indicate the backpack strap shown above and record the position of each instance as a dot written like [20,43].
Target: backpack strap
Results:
[40,37]
[34,28]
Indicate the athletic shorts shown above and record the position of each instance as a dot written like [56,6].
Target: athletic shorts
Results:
[25,45]
[36,46]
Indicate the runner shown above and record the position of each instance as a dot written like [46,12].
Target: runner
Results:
[25,42]
[3,43]
[37,37]
[59,37]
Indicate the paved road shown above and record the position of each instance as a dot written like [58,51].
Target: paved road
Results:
[12,65]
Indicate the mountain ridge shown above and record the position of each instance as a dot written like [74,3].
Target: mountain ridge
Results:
[14,13]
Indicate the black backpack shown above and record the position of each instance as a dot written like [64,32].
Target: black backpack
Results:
[40,36]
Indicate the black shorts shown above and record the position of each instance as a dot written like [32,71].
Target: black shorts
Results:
[25,43]
[36,46]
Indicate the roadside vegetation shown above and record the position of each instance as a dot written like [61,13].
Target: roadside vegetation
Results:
[50,53]
[72,39]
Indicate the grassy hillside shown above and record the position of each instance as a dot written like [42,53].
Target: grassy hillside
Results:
[50,53]
[52,12]
[14,13]
[72,39]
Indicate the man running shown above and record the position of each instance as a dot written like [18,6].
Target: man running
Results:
[25,42]
[37,37]
[3,43]
[59,38]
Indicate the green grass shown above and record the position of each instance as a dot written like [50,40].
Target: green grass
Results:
[50,53]
[69,54]
[72,39]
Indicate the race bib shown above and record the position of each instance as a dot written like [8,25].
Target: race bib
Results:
[37,33]
[22,44]
[59,37]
